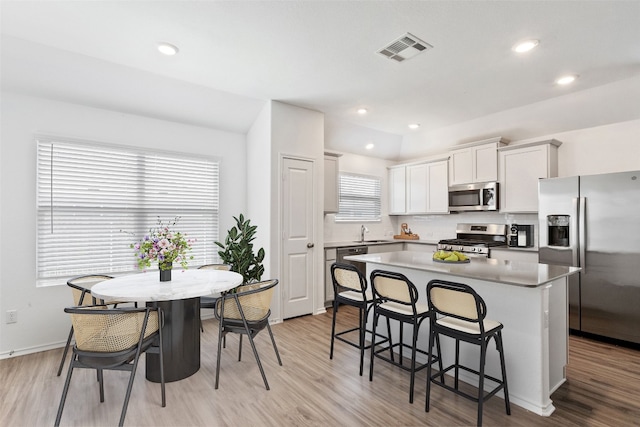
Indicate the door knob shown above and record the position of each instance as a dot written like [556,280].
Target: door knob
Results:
[309,245]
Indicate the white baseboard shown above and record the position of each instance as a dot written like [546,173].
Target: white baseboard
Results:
[31,350]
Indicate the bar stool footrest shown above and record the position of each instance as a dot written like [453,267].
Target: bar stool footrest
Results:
[399,363]
[462,393]
[355,344]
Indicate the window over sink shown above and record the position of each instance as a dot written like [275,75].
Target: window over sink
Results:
[359,198]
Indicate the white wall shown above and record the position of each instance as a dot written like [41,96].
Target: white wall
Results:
[616,102]
[42,323]
[299,132]
[595,150]
[259,193]
[348,231]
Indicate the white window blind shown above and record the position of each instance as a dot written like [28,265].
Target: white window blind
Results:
[94,200]
[359,198]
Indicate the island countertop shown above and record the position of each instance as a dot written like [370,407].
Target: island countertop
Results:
[500,271]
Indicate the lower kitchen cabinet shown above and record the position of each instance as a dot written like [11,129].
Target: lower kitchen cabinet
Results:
[329,259]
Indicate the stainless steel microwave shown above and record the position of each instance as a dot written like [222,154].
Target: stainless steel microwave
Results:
[481,196]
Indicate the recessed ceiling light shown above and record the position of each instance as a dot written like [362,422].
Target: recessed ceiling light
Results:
[167,48]
[362,111]
[369,146]
[525,46]
[568,79]
[414,125]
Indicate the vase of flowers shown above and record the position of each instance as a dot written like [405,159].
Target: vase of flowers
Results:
[165,246]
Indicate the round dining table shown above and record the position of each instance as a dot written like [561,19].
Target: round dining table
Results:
[180,302]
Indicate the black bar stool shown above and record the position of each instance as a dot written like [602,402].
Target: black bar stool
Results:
[457,311]
[350,288]
[396,297]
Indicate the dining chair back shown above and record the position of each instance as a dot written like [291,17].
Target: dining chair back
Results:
[81,293]
[113,339]
[210,302]
[246,311]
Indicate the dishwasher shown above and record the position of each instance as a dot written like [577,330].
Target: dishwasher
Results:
[353,250]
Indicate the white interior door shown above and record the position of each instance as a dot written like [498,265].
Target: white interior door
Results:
[298,231]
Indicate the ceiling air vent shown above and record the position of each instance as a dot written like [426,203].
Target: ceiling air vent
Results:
[405,47]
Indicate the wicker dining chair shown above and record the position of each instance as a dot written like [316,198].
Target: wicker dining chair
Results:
[113,339]
[246,312]
[81,291]
[210,302]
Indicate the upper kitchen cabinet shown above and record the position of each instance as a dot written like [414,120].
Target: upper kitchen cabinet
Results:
[521,166]
[475,162]
[419,188]
[331,171]
[397,190]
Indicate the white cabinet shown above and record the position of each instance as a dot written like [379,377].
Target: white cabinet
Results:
[419,188]
[521,166]
[329,259]
[475,162]
[331,171]
[437,187]
[397,190]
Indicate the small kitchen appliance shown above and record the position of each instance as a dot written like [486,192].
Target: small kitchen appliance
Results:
[521,236]
[475,240]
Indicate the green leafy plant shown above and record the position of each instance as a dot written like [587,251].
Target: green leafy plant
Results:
[237,251]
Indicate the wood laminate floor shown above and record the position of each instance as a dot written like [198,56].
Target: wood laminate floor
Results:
[603,388]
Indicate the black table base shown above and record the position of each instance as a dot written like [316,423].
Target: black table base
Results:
[181,341]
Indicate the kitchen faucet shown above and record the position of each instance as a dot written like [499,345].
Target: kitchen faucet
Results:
[363,230]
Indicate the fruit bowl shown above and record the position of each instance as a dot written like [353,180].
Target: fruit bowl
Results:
[466,261]
[453,257]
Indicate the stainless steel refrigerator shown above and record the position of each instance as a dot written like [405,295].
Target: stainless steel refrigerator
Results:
[593,222]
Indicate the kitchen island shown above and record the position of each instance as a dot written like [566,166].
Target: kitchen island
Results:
[530,299]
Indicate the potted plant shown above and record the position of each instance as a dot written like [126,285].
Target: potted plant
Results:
[237,251]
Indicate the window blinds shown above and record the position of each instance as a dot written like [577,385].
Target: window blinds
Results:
[94,200]
[359,198]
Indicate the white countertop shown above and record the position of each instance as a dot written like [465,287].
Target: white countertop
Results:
[372,242]
[492,270]
[184,284]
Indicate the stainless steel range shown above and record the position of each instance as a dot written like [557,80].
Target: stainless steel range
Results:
[476,239]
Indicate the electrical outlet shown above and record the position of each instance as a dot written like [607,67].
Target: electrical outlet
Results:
[12,316]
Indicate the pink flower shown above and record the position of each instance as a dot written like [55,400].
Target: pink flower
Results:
[164,243]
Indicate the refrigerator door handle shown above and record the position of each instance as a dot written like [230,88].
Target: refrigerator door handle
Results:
[573,238]
[582,229]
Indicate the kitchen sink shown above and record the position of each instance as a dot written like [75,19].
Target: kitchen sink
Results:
[371,241]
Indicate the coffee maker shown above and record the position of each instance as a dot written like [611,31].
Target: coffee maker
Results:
[520,236]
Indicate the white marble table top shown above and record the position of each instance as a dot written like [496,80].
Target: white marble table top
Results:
[184,284]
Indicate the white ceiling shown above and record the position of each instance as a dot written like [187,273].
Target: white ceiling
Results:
[235,55]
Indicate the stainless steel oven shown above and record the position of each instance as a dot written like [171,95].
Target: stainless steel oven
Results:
[476,240]
[353,250]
